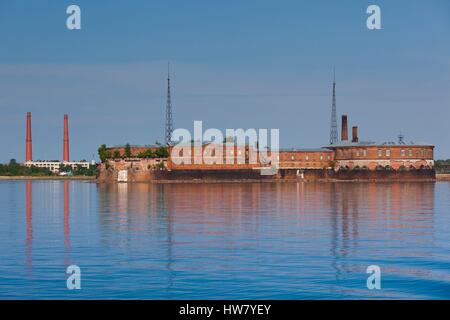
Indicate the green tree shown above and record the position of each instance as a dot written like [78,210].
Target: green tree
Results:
[146,154]
[102,153]
[442,166]
[83,171]
[162,152]
[66,169]
[127,150]
[116,154]
[15,169]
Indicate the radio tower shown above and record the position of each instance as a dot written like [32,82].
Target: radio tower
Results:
[333,127]
[169,120]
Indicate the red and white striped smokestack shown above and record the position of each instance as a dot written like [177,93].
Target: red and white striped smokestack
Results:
[29,146]
[66,138]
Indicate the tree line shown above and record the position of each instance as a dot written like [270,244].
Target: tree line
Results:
[104,153]
[15,169]
[79,170]
[442,166]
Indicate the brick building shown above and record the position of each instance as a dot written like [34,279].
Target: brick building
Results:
[343,158]
[344,155]
[208,157]
[368,155]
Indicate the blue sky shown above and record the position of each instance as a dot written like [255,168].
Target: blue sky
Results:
[235,64]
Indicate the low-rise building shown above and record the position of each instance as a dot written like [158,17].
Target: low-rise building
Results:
[55,165]
[383,156]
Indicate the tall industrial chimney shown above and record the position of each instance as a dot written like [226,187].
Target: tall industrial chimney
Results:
[29,146]
[66,138]
[344,128]
[355,134]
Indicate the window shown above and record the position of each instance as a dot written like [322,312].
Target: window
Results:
[357,153]
[388,152]
[380,153]
[292,158]
[328,157]
[364,153]
[410,153]
[403,153]
[307,158]
[321,157]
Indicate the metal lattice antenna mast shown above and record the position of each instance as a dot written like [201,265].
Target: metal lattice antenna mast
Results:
[169,120]
[333,127]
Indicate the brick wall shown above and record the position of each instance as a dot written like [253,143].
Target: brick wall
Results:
[394,157]
[243,157]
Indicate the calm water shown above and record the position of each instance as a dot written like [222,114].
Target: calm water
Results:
[230,241]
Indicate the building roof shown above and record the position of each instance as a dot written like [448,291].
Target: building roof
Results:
[341,144]
[135,146]
[324,149]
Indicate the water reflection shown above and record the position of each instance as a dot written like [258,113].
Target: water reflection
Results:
[225,240]
[29,222]
[393,203]
[66,207]
[49,208]
[347,221]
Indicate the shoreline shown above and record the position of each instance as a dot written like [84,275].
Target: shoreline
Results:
[439,177]
[211,181]
[81,178]
[442,176]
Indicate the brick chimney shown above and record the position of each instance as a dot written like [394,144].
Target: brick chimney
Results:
[355,134]
[66,138]
[29,145]
[344,128]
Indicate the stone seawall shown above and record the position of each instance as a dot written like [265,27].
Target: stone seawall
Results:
[443,176]
[158,175]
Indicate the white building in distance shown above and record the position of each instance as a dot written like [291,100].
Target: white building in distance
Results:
[54,166]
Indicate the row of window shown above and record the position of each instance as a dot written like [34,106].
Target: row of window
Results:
[321,157]
[293,158]
[55,166]
[387,153]
[213,153]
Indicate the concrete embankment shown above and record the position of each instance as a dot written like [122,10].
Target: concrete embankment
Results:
[203,176]
[443,176]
